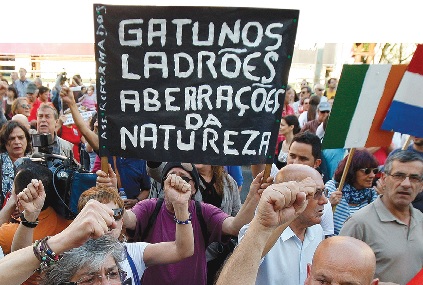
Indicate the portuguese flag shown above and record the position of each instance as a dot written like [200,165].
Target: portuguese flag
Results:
[406,112]
[362,100]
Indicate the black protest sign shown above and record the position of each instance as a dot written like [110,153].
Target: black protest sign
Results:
[192,84]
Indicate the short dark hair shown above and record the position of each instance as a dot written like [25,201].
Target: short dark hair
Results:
[29,170]
[311,139]
[15,92]
[308,89]
[42,90]
[330,79]
[362,158]
[7,129]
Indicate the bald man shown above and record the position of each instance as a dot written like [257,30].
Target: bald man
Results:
[291,246]
[342,260]
[279,205]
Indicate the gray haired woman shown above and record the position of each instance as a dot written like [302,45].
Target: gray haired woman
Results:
[94,261]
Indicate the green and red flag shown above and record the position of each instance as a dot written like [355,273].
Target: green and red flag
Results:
[362,100]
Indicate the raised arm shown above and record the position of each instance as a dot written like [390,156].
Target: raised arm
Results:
[277,206]
[30,203]
[308,186]
[178,193]
[94,221]
[92,138]
[232,225]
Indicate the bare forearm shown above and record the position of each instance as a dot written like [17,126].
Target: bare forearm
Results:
[89,135]
[184,236]
[129,220]
[143,195]
[18,266]
[242,266]
[22,238]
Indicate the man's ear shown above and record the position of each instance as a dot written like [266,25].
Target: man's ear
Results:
[308,279]
[317,162]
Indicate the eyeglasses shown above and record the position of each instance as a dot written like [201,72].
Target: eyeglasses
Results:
[325,112]
[186,179]
[400,177]
[320,192]
[25,106]
[368,170]
[115,277]
[117,214]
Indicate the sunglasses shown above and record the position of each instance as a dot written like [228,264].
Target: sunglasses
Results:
[368,170]
[186,179]
[117,214]
[324,112]
[25,106]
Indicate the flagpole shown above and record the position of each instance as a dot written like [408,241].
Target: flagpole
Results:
[407,143]
[344,173]
[267,170]
[104,164]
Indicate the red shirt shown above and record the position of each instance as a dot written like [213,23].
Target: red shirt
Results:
[73,135]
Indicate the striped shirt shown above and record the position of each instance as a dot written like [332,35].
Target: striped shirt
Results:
[343,209]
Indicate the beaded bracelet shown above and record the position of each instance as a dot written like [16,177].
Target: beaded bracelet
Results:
[27,223]
[182,222]
[44,253]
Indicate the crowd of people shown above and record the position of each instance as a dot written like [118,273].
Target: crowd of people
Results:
[184,223]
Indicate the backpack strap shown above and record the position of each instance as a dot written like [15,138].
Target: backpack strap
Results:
[152,218]
[199,213]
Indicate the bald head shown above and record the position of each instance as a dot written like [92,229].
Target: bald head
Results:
[296,172]
[343,259]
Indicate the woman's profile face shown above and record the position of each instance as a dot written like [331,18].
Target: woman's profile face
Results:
[363,180]
[284,128]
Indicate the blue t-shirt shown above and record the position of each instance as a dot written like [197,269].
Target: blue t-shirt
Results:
[133,175]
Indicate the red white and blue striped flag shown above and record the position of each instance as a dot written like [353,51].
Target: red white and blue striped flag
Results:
[406,112]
